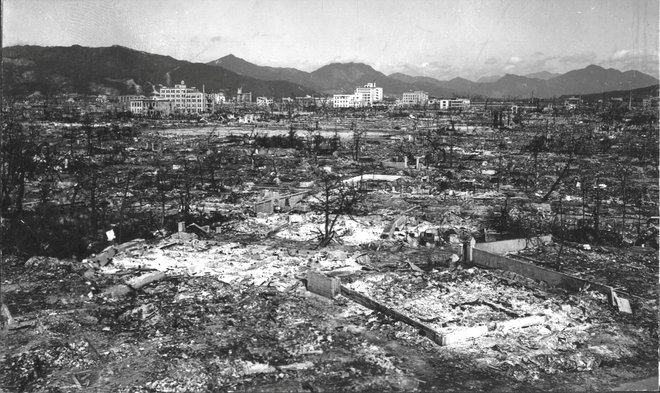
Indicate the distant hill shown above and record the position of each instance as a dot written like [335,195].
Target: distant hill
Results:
[244,67]
[595,79]
[544,75]
[635,94]
[511,85]
[119,70]
[489,78]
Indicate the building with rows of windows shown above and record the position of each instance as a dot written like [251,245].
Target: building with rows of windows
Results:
[186,99]
[151,107]
[415,98]
[449,104]
[363,96]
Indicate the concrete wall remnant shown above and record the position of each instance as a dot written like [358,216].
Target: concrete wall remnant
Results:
[275,202]
[513,245]
[553,278]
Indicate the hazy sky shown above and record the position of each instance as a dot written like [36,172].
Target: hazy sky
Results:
[439,38]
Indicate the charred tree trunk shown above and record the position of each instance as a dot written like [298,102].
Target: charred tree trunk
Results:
[563,174]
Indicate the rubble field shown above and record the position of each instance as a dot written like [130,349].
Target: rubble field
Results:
[229,311]
[146,257]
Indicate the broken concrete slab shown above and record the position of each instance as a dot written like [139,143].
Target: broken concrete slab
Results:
[133,284]
[521,322]
[462,333]
[622,304]
[105,256]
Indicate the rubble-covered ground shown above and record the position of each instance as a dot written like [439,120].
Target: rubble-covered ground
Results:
[232,314]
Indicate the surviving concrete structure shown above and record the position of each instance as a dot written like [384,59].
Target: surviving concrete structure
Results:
[456,103]
[243,97]
[344,101]
[363,96]
[185,99]
[368,94]
[125,101]
[152,107]
[415,98]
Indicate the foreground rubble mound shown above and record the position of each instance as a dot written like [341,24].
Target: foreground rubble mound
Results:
[231,313]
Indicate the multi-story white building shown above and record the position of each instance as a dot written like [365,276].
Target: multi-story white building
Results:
[344,101]
[415,98]
[363,96]
[458,103]
[185,99]
[368,94]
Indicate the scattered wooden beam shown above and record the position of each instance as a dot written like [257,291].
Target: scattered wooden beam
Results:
[377,306]
[330,287]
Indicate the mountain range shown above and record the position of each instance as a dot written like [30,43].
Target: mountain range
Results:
[120,70]
[343,77]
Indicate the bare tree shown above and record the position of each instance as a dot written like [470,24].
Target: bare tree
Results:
[19,147]
[334,198]
[358,136]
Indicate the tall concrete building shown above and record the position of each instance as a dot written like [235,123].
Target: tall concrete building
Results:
[185,99]
[363,96]
[368,94]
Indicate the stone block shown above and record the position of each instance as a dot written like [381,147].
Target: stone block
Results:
[322,285]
